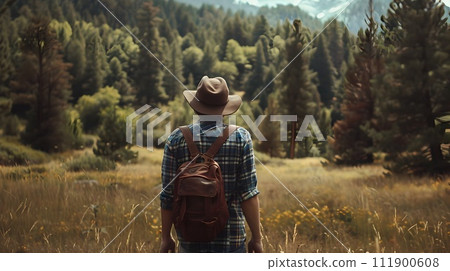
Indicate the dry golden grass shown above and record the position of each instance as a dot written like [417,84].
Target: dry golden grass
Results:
[44,208]
[367,211]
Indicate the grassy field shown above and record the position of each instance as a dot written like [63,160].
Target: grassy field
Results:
[45,208]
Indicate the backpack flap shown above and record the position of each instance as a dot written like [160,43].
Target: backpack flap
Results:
[197,186]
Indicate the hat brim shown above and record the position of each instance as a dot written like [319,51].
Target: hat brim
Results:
[233,104]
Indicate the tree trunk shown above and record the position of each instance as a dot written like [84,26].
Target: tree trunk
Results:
[435,147]
[40,95]
[292,150]
[436,153]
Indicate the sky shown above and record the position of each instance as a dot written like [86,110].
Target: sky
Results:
[274,2]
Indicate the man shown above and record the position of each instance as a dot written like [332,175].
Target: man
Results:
[236,161]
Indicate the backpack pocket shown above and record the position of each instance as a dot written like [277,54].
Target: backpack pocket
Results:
[199,230]
[197,186]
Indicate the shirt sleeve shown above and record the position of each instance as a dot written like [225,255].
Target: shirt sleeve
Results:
[247,181]
[168,173]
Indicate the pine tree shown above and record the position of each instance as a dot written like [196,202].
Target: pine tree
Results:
[116,73]
[239,33]
[266,45]
[7,4]
[228,33]
[188,41]
[149,72]
[76,56]
[335,44]
[166,31]
[261,28]
[69,11]
[96,64]
[269,73]
[43,81]
[339,93]
[192,60]
[6,67]
[352,143]
[324,123]
[256,79]
[299,96]
[414,89]
[443,121]
[233,28]
[235,54]
[347,44]
[175,65]
[185,22]
[321,63]
[271,129]
[209,58]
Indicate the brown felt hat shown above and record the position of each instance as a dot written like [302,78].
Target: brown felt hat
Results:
[212,97]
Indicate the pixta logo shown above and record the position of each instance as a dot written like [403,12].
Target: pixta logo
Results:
[142,116]
[154,117]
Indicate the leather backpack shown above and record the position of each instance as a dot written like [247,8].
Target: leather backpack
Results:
[200,210]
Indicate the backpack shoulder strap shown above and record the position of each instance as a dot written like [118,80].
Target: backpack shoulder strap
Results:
[193,150]
[215,147]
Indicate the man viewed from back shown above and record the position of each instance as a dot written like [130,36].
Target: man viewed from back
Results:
[236,161]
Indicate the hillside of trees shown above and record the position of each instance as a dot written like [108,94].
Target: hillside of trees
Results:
[70,69]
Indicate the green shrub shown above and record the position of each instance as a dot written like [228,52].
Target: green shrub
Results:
[11,125]
[125,156]
[112,138]
[13,153]
[90,162]
[75,127]
[88,141]
[5,106]
[90,107]
[416,164]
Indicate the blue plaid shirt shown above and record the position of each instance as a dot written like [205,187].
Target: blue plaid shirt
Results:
[237,164]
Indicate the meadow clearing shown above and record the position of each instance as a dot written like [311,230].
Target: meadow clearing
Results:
[46,208]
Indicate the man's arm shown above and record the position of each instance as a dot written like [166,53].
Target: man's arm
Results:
[250,208]
[168,172]
[249,193]
[167,243]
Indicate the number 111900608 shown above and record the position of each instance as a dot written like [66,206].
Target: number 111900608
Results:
[405,262]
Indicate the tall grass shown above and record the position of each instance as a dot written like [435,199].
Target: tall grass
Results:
[48,209]
[365,210]
[44,208]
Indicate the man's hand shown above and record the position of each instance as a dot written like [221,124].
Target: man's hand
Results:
[167,245]
[250,208]
[255,246]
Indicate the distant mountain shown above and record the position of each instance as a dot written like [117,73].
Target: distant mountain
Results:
[281,13]
[274,13]
[232,5]
[353,15]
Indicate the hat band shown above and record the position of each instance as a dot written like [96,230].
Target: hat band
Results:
[210,100]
